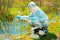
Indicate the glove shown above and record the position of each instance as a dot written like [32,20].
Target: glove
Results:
[18,16]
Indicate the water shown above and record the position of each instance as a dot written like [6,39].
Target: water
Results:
[13,27]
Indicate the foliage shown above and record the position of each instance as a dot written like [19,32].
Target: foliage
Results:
[10,8]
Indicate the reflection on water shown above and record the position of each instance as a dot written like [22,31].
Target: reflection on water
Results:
[13,27]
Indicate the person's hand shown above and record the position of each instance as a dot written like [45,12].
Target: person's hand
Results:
[18,16]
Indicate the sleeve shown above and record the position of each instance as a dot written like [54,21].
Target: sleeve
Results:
[26,17]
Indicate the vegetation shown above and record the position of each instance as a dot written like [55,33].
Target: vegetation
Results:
[10,8]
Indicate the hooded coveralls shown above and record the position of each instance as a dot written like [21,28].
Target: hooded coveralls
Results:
[38,18]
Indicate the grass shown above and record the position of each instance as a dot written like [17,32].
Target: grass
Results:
[54,31]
